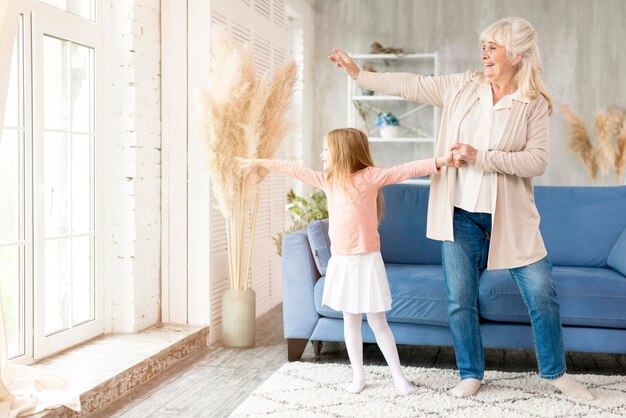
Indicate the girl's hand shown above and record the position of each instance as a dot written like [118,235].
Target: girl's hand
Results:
[343,60]
[248,162]
[446,161]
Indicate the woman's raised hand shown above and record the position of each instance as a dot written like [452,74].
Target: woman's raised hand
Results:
[343,60]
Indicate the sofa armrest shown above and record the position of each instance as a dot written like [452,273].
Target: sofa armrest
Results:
[299,278]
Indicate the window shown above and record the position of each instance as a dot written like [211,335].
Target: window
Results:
[82,8]
[51,175]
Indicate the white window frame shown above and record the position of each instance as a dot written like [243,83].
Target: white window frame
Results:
[26,225]
[48,20]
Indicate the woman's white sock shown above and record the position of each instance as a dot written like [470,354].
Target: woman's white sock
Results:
[467,387]
[570,388]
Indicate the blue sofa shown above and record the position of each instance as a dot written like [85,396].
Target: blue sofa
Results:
[582,227]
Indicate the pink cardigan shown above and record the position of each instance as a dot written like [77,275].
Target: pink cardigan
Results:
[522,153]
[353,219]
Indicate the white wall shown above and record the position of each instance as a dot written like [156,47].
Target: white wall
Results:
[135,133]
[581,42]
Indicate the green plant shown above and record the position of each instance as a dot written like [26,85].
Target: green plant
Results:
[302,212]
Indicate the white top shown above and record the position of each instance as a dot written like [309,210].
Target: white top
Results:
[482,127]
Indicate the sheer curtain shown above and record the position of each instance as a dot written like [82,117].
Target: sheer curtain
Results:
[8,28]
[23,389]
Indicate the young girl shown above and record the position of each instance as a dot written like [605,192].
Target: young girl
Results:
[356,281]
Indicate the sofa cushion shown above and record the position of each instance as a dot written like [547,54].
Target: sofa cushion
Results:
[317,232]
[580,224]
[617,256]
[588,297]
[403,228]
[417,294]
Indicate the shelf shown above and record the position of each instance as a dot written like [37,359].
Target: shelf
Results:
[419,121]
[393,56]
[378,98]
[406,139]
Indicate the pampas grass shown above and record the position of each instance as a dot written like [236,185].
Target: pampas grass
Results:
[620,158]
[242,116]
[579,140]
[610,130]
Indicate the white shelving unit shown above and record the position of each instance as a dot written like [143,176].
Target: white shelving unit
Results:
[419,121]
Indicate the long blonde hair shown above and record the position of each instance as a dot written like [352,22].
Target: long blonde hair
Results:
[350,152]
[520,40]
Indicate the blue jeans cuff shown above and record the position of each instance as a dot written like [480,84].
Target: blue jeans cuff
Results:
[553,376]
[474,377]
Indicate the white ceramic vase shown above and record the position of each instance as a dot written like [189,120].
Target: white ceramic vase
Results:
[238,318]
[389,131]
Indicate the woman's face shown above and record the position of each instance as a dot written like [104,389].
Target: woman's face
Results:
[326,157]
[496,64]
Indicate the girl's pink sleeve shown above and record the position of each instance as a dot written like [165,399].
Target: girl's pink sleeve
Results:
[304,174]
[397,173]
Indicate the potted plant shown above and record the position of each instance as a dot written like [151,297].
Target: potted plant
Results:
[388,125]
[242,115]
[302,212]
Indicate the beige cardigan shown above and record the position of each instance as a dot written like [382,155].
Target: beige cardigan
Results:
[521,154]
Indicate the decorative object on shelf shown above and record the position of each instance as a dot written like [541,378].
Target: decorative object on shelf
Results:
[242,115]
[302,212]
[377,48]
[388,125]
[363,110]
[416,132]
[368,68]
[610,131]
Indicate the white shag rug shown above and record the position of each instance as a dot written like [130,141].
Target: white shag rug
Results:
[316,390]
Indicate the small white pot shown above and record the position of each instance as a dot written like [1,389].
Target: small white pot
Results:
[388,131]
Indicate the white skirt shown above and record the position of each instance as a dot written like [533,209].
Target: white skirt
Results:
[357,283]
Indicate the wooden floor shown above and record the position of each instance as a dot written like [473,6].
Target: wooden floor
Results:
[216,380]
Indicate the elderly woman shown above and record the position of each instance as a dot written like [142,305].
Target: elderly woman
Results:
[496,124]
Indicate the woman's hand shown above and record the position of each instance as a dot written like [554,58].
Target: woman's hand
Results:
[463,153]
[343,60]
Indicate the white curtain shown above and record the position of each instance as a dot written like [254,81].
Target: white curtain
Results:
[23,390]
[8,29]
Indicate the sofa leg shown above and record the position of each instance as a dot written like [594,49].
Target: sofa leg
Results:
[295,348]
[317,347]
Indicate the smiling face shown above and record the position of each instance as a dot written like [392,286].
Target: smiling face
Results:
[326,157]
[497,65]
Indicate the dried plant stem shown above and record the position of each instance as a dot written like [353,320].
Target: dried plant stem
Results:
[242,227]
[255,210]
[229,241]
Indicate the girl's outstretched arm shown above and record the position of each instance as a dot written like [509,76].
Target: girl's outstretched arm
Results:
[418,168]
[304,174]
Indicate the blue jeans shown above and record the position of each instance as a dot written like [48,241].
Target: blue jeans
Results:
[462,268]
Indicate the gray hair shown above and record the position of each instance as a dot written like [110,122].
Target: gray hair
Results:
[519,39]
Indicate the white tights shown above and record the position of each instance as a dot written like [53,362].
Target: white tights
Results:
[387,344]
